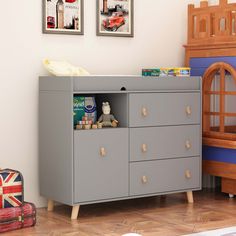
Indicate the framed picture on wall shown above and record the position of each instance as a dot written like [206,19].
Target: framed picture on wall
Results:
[63,17]
[115,18]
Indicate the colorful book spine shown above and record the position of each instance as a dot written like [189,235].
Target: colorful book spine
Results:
[175,71]
[151,72]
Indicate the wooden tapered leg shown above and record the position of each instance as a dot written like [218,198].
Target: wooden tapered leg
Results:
[190,197]
[75,212]
[50,205]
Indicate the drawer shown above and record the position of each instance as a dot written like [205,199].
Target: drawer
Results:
[156,109]
[164,142]
[100,164]
[131,83]
[164,175]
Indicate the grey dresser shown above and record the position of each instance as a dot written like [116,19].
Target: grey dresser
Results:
[155,150]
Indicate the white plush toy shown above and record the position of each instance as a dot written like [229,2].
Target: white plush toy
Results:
[107,119]
[63,68]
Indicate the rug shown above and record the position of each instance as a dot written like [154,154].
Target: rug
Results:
[231,231]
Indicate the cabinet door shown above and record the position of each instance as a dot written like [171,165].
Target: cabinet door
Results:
[157,109]
[164,142]
[165,176]
[100,164]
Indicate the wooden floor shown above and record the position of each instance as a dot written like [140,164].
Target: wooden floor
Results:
[155,216]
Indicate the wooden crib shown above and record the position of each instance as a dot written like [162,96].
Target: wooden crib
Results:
[211,53]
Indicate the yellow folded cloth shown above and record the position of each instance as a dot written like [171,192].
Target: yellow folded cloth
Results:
[63,68]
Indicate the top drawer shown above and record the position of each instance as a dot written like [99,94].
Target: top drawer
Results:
[134,83]
[156,109]
[115,83]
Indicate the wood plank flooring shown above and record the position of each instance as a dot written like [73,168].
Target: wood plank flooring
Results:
[155,216]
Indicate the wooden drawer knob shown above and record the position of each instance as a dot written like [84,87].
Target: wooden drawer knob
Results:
[188,110]
[144,112]
[144,179]
[144,148]
[103,152]
[188,145]
[188,174]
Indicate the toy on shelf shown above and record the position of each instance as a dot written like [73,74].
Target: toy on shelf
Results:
[211,53]
[85,112]
[94,126]
[107,119]
[99,125]
[85,123]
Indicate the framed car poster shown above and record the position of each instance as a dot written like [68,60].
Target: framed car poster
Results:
[115,18]
[63,17]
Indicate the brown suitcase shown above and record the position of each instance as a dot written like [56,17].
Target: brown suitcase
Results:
[17,217]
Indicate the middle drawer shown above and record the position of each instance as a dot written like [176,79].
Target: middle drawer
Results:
[164,142]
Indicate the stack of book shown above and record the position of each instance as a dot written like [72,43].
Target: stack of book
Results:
[175,71]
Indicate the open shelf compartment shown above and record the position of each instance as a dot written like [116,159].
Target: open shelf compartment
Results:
[118,103]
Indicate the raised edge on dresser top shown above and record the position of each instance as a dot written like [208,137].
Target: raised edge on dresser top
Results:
[117,83]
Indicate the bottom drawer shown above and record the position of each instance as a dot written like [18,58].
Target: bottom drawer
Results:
[164,175]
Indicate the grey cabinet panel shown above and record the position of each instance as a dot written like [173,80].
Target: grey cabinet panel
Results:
[115,83]
[100,164]
[164,175]
[134,83]
[56,146]
[157,109]
[164,142]
[53,83]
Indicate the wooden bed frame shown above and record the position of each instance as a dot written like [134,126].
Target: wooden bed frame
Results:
[206,38]
[211,52]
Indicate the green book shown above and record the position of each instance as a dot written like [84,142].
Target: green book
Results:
[151,72]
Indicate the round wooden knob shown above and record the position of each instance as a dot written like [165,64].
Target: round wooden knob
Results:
[188,144]
[102,152]
[188,110]
[144,179]
[144,112]
[188,174]
[144,148]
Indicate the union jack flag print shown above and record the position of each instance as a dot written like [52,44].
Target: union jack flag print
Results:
[11,188]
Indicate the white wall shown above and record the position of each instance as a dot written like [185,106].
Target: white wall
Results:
[160,32]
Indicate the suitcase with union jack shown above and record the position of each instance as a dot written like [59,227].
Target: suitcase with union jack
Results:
[11,188]
[17,217]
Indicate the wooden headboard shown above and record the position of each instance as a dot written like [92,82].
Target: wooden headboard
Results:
[211,30]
